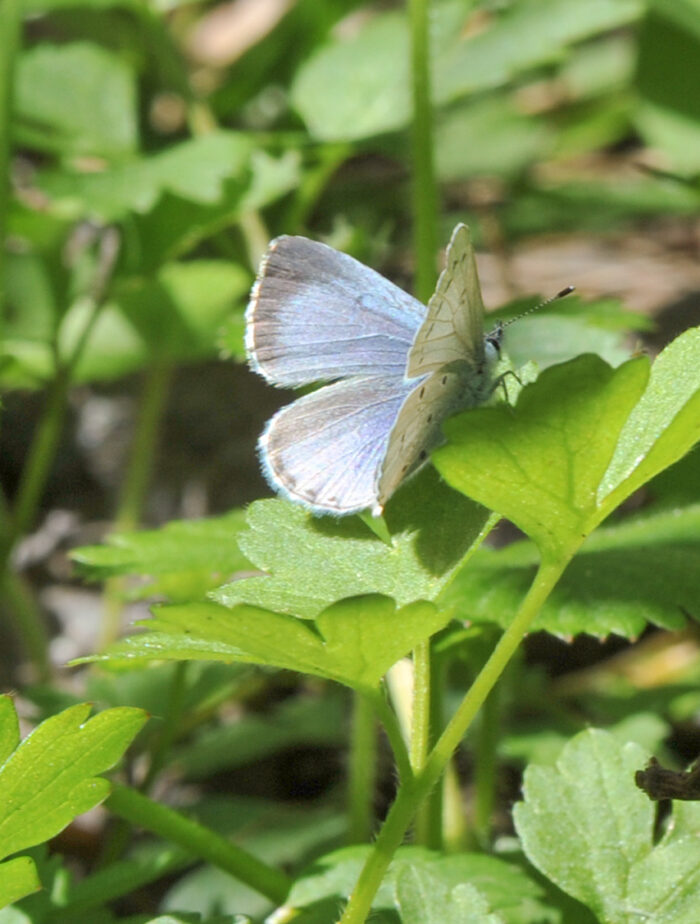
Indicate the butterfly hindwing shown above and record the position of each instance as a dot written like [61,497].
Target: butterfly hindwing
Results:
[453,329]
[325,450]
[316,314]
[418,427]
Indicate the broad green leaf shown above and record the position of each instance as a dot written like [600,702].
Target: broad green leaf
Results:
[360,87]
[642,570]
[18,878]
[540,464]
[508,141]
[51,777]
[555,338]
[75,98]
[354,641]
[423,898]
[186,558]
[669,61]
[506,890]
[194,170]
[176,225]
[311,561]
[664,425]
[588,807]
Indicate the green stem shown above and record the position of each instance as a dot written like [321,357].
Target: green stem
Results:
[420,730]
[10,22]
[425,197]
[28,623]
[485,763]
[143,447]
[136,480]
[413,792]
[362,770]
[171,725]
[390,723]
[139,810]
[36,470]
[313,182]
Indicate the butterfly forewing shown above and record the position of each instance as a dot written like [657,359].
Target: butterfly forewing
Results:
[316,315]
[453,329]
[325,450]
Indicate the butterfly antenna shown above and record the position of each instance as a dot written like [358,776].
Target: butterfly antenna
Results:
[548,301]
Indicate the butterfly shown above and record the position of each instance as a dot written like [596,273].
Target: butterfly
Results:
[397,369]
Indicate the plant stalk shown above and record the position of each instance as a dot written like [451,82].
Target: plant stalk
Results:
[362,770]
[412,793]
[141,811]
[425,196]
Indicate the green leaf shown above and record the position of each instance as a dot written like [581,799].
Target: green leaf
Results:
[508,140]
[354,641]
[589,808]
[177,315]
[18,877]
[186,558]
[50,778]
[642,570]
[503,887]
[540,464]
[76,98]
[668,62]
[553,338]
[423,898]
[360,87]
[664,425]
[312,561]
[176,225]
[195,170]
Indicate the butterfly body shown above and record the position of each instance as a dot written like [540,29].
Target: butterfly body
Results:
[397,370]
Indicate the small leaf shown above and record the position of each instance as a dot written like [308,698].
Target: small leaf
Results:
[540,464]
[423,898]
[194,170]
[354,641]
[51,776]
[189,557]
[18,877]
[75,98]
[502,887]
[665,424]
[359,87]
[312,561]
[589,808]
[639,571]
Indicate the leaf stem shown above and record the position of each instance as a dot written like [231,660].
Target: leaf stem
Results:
[412,792]
[196,839]
[425,197]
[362,769]
[139,469]
[10,21]
[420,728]
[390,723]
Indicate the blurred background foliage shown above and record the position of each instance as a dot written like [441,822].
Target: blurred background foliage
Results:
[149,149]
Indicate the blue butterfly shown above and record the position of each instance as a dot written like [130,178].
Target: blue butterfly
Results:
[397,369]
